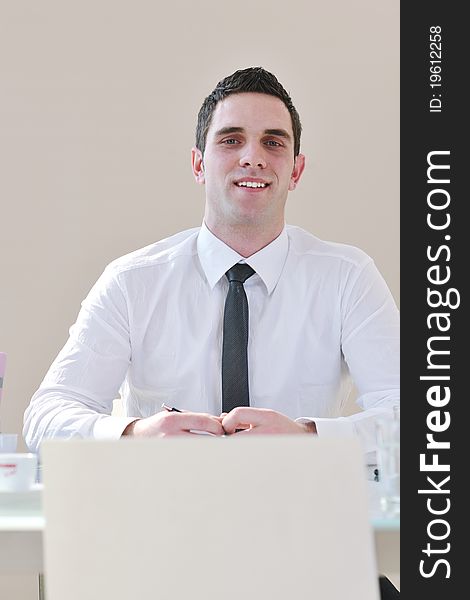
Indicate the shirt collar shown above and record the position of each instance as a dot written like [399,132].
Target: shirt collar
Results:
[217,258]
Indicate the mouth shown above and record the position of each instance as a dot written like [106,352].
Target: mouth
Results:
[252,184]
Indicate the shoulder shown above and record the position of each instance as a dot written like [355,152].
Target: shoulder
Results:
[304,243]
[162,252]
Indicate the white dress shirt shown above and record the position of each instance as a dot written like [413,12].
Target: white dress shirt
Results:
[151,329]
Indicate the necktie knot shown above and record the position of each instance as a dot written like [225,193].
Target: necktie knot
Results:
[239,272]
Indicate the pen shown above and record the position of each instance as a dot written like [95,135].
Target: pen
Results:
[171,408]
[174,409]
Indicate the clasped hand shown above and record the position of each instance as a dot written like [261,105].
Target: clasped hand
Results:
[239,421]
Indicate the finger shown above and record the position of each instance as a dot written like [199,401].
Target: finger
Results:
[239,428]
[247,431]
[200,432]
[199,422]
[245,417]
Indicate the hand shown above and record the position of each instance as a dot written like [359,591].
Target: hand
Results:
[165,424]
[246,420]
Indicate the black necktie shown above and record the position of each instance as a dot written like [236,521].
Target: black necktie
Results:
[235,342]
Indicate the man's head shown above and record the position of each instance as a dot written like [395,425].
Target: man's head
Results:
[247,156]
[253,79]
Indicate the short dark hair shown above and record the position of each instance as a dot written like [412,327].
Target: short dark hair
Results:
[253,79]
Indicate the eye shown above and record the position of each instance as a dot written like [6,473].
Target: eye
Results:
[230,141]
[273,143]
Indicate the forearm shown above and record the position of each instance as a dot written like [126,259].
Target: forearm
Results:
[65,414]
[129,430]
[362,425]
[309,425]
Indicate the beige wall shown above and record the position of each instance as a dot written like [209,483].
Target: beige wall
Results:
[98,102]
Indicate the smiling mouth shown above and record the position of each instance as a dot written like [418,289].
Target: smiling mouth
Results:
[251,185]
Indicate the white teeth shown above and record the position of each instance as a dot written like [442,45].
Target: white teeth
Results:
[252,184]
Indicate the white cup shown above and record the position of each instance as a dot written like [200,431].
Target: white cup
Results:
[8,442]
[17,471]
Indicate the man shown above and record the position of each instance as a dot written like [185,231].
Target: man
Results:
[153,325]
[157,324]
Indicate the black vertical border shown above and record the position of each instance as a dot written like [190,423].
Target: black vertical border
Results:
[422,132]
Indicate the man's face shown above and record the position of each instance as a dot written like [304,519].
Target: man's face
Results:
[248,164]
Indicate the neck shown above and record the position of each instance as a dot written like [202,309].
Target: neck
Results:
[245,240]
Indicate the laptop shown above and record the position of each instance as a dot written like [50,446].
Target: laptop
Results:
[236,517]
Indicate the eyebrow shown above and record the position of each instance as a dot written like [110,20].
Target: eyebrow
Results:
[277,132]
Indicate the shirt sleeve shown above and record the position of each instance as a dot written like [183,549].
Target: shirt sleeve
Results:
[370,343]
[75,399]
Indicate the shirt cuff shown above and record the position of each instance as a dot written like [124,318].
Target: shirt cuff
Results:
[111,428]
[339,427]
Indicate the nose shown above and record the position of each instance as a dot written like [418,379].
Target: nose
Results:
[252,156]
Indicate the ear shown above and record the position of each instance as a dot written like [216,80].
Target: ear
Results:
[299,166]
[197,165]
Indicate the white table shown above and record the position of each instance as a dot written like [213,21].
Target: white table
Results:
[21,528]
[22,525]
